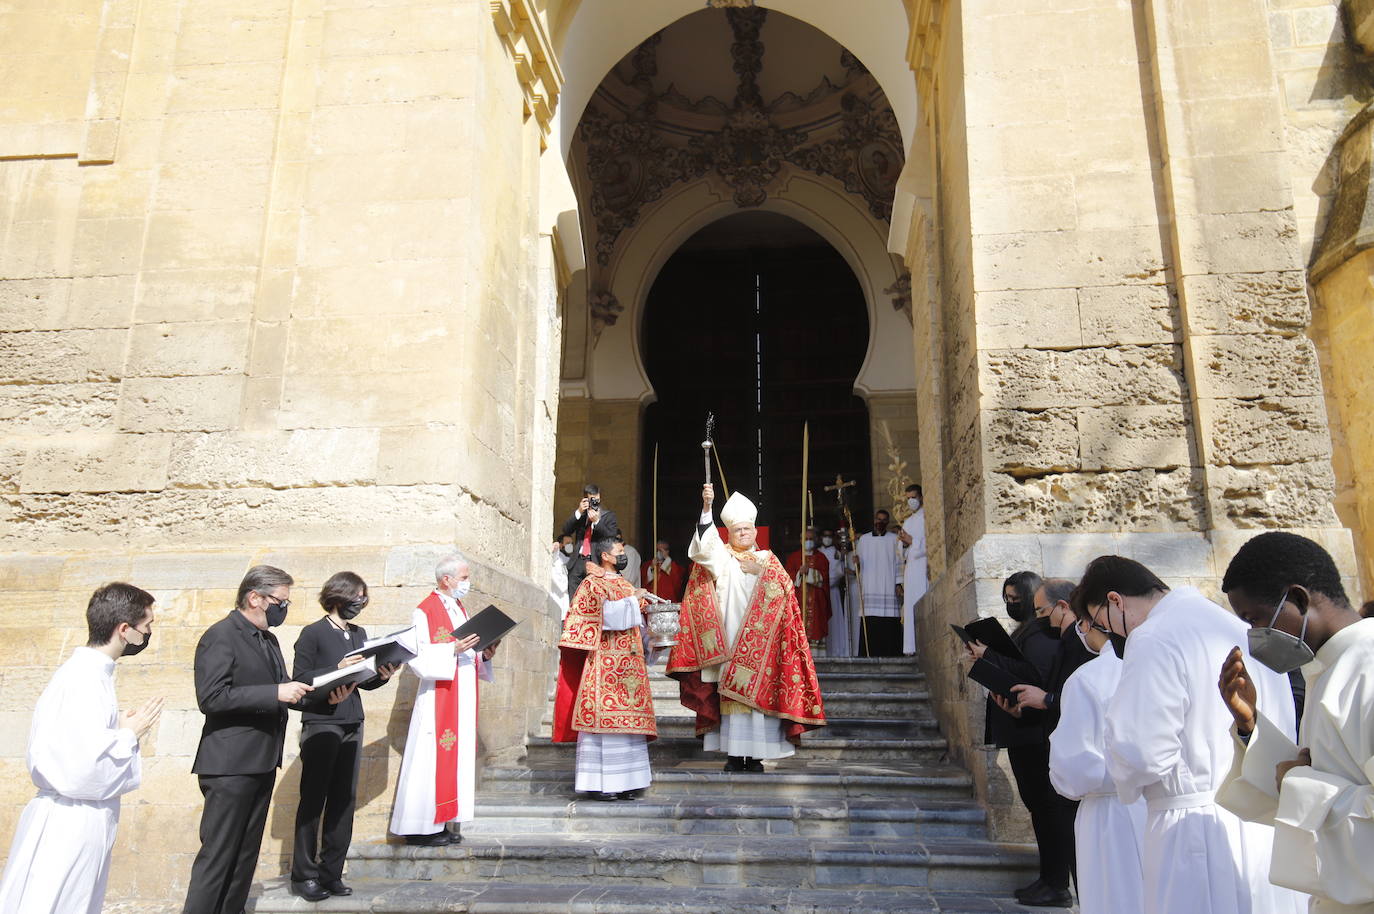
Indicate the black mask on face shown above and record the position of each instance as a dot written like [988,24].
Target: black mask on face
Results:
[132,649]
[622,562]
[276,613]
[351,610]
[1118,641]
[1019,611]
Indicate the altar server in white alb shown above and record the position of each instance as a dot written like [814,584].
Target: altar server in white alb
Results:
[439,769]
[913,537]
[837,643]
[1167,741]
[83,755]
[880,578]
[1319,798]
[1108,834]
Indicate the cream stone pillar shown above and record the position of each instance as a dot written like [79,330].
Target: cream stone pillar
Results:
[273,290]
[1118,331]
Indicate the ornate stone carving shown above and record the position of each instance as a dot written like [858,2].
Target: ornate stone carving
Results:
[605,310]
[632,158]
[901,293]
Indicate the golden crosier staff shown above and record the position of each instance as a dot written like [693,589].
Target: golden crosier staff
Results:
[838,488]
[806,462]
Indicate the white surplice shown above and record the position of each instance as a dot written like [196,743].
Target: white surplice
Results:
[414,811]
[913,577]
[837,640]
[880,572]
[81,762]
[558,580]
[1107,833]
[1323,817]
[632,566]
[1168,741]
[614,762]
[752,733]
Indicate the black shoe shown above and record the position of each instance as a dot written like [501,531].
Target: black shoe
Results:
[753,765]
[605,797]
[1033,887]
[310,890]
[337,887]
[455,835]
[1047,896]
[438,839]
[734,763]
[631,794]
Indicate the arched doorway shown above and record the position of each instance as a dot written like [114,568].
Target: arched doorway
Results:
[757,319]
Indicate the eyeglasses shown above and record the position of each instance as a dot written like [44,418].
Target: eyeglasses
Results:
[267,596]
[358,603]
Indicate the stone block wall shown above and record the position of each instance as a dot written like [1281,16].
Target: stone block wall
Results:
[272,289]
[599,441]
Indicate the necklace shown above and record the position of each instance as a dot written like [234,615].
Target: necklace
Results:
[343,630]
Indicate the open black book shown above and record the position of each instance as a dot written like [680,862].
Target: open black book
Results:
[994,679]
[488,625]
[388,650]
[992,634]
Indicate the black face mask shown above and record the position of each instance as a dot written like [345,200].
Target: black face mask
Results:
[132,649]
[1019,611]
[276,613]
[622,562]
[351,610]
[1118,641]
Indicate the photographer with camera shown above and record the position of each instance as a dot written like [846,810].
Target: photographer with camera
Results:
[590,522]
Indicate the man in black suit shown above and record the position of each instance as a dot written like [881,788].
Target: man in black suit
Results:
[589,523]
[243,691]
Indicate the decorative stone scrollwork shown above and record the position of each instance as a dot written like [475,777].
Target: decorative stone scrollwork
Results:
[901,293]
[605,310]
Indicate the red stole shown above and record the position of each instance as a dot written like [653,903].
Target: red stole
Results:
[445,710]
[770,668]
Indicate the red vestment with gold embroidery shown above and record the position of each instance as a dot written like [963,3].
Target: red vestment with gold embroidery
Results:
[770,668]
[603,683]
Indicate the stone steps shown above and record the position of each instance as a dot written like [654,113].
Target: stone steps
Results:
[819,744]
[657,861]
[903,703]
[781,780]
[505,896]
[742,815]
[841,727]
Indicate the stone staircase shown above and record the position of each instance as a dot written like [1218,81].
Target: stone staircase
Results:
[868,817]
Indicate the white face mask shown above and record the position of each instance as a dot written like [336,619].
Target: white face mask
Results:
[810,544]
[661,555]
[914,503]
[567,548]
[460,590]
[827,540]
[1078,630]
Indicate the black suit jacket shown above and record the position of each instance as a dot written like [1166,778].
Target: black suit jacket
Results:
[236,689]
[319,649]
[605,528]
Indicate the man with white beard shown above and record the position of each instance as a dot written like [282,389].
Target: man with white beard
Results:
[1167,741]
[439,768]
[83,755]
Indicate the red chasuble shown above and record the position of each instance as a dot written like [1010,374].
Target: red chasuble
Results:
[817,595]
[603,684]
[666,585]
[770,668]
[445,713]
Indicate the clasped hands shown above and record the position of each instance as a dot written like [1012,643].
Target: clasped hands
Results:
[1238,692]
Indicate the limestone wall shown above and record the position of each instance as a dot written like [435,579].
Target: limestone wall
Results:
[272,288]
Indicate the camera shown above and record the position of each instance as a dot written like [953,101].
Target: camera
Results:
[594,501]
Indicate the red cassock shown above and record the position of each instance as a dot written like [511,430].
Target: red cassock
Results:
[817,611]
[667,585]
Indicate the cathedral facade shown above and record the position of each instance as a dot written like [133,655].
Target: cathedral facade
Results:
[340,284]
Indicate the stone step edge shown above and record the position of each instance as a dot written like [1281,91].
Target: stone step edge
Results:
[814,742]
[755,808]
[715,850]
[501,896]
[955,778]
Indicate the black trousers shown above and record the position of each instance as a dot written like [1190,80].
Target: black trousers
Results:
[577,571]
[1051,815]
[231,827]
[330,757]
[881,636]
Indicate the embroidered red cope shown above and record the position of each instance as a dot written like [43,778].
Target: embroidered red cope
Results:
[603,684]
[770,668]
[445,713]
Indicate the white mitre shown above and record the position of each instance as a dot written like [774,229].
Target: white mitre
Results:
[738,510]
